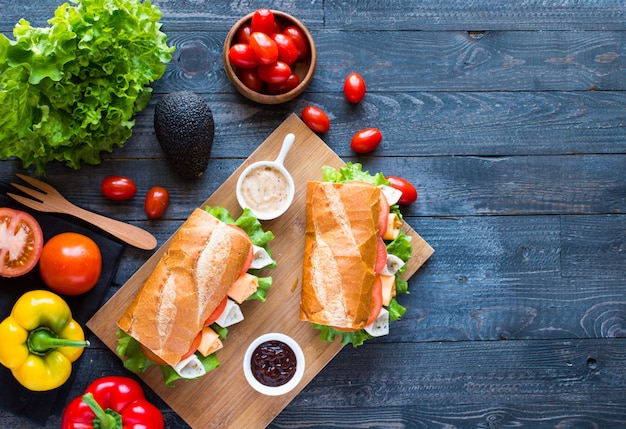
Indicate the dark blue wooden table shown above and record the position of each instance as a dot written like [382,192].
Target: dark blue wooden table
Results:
[510,119]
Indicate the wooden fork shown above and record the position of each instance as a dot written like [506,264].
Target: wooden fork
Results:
[50,200]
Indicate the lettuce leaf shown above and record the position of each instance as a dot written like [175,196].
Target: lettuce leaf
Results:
[136,362]
[400,247]
[71,90]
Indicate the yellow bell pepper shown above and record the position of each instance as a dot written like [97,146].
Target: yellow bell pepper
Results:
[40,340]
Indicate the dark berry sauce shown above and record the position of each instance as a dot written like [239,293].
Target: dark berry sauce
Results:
[273,363]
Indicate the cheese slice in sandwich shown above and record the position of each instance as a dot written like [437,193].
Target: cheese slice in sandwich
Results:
[203,260]
[341,237]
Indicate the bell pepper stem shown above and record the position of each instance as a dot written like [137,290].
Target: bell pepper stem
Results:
[42,340]
[108,419]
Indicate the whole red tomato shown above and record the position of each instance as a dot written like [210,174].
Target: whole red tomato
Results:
[243,34]
[280,88]
[264,48]
[409,193]
[118,188]
[354,88]
[242,56]
[299,38]
[263,21]
[277,72]
[287,50]
[316,119]
[157,200]
[21,242]
[251,79]
[70,263]
[366,140]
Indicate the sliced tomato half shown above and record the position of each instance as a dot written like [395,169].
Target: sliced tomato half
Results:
[21,242]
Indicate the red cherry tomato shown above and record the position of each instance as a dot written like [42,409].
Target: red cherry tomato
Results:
[251,79]
[156,202]
[281,88]
[242,56]
[354,88]
[316,119]
[243,34]
[409,193]
[366,140]
[263,21]
[70,263]
[264,48]
[118,188]
[277,72]
[287,50]
[299,38]
[21,242]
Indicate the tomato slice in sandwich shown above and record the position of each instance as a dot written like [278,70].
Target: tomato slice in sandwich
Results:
[377,300]
[217,312]
[383,217]
[381,256]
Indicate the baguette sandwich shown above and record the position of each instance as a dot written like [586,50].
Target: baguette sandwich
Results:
[180,315]
[354,253]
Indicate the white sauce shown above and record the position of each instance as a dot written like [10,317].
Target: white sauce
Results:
[265,189]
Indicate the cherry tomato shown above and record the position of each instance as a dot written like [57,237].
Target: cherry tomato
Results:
[287,50]
[280,88]
[316,119]
[242,56]
[264,48]
[243,34]
[409,193]
[366,140]
[302,44]
[156,202]
[21,242]
[70,263]
[118,188]
[277,72]
[263,21]
[251,79]
[354,88]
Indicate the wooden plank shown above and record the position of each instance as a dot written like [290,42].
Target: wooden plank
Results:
[231,400]
[409,61]
[532,384]
[526,384]
[420,123]
[447,186]
[441,15]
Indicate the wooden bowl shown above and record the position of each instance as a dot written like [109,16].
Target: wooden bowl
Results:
[303,68]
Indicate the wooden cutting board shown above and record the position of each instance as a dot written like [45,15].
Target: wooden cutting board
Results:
[223,398]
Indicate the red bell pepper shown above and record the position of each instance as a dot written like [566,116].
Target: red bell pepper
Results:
[112,402]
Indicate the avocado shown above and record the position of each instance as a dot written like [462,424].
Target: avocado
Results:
[185,129]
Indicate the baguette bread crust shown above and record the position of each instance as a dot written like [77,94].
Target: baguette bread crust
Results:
[341,241]
[203,260]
